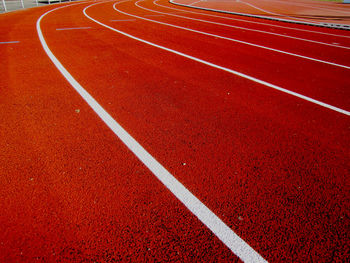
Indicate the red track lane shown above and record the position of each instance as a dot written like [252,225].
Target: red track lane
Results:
[272,166]
[264,65]
[70,190]
[260,24]
[309,11]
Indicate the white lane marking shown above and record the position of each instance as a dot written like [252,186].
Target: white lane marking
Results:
[314,7]
[226,38]
[244,28]
[122,20]
[272,13]
[256,30]
[180,11]
[202,212]
[9,42]
[72,28]
[320,103]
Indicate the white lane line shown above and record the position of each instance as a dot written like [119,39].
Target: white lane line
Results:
[313,6]
[72,28]
[203,213]
[9,42]
[122,20]
[180,11]
[272,13]
[320,103]
[245,28]
[226,38]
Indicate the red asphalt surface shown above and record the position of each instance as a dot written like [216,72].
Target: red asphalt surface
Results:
[273,167]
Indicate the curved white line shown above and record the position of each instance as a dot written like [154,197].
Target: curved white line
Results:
[272,13]
[325,25]
[254,30]
[267,84]
[226,38]
[238,246]
[320,7]
[254,22]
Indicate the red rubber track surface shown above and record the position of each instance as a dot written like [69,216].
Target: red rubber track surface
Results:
[273,167]
[297,10]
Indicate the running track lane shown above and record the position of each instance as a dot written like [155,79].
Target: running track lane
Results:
[151,106]
[230,55]
[70,191]
[263,153]
[258,24]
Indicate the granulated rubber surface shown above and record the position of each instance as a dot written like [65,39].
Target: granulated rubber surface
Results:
[272,166]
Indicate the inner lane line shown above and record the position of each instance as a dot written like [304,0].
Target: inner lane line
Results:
[238,246]
[234,72]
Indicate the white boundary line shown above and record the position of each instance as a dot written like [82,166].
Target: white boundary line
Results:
[329,9]
[225,69]
[271,13]
[226,38]
[330,25]
[267,84]
[251,29]
[238,246]
[254,22]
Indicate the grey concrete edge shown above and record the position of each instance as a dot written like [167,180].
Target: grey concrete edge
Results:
[327,25]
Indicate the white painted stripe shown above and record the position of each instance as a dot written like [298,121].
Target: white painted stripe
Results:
[122,20]
[72,28]
[253,30]
[320,103]
[322,7]
[226,38]
[340,26]
[180,11]
[9,42]
[214,223]
[272,13]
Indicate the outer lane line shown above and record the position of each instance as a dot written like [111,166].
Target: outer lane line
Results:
[248,15]
[254,30]
[295,94]
[238,246]
[331,9]
[272,13]
[254,22]
[226,38]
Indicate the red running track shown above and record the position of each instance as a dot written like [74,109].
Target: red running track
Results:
[272,166]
